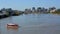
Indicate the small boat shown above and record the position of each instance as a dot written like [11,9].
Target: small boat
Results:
[10,25]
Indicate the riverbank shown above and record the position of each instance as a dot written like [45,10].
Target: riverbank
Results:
[8,15]
[3,16]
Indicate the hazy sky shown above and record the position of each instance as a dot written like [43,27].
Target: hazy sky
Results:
[22,4]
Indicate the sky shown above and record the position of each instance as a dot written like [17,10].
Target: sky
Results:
[23,4]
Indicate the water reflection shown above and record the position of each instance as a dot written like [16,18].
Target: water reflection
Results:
[0,31]
[12,30]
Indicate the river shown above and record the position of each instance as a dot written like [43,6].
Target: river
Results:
[32,24]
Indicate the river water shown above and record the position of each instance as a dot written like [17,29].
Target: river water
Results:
[32,24]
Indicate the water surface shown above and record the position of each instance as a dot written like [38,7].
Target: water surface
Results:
[32,24]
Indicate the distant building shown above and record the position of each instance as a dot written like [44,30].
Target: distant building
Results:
[33,9]
[39,9]
[0,11]
[52,10]
[28,11]
[4,12]
[7,11]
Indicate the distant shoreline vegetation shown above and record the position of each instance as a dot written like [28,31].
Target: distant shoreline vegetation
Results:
[10,11]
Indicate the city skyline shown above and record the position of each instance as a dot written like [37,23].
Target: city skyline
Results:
[23,4]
